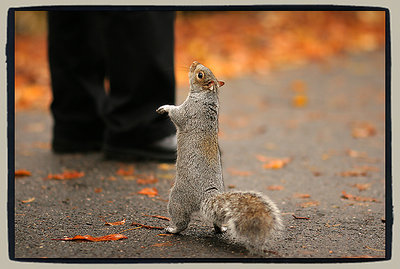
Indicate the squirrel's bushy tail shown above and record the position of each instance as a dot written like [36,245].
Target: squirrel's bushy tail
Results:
[251,218]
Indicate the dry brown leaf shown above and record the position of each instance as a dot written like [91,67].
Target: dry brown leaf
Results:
[302,195]
[235,172]
[356,154]
[354,173]
[150,192]
[362,187]
[146,180]
[66,175]
[358,198]
[158,217]
[166,166]
[22,173]
[363,130]
[300,100]
[110,237]
[276,163]
[309,204]
[275,187]
[126,171]
[122,222]
[98,190]
[28,200]
[231,186]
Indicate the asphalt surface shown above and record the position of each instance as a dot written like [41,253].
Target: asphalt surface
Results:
[258,119]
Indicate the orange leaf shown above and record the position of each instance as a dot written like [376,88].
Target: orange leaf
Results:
[110,237]
[149,180]
[358,198]
[66,175]
[235,172]
[275,188]
[356,154]
[166,166]
[362,187]
[363,130]
[309,204]
[302,195]
[122,222]
[158,217]
[276,163]
[299,100]
[353,173]
[28,201]
[22,173]
[126,172]
[151,192]
[98,190]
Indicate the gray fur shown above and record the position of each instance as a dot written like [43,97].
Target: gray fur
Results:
[250,217]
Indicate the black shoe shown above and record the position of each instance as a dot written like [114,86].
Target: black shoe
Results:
[162,150]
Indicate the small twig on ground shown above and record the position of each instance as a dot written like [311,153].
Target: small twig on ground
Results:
[300,217]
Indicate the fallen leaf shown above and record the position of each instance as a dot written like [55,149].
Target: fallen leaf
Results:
[358,198]
[231,186]
[235,172]
[158,217]
[146,226]
[146,180]
[150,192]
[300,100]
[22,173]
[363,130]
[98,190]
[356,154]
[302,195]
[66,175]
[354,173]
[111,178]
[276,163]
[275,187]
[110,237]
[309,204]
[166,166]
[362,187]
[122,222]
[28,201]
[126,172]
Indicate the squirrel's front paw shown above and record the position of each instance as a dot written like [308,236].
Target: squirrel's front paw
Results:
[163,109]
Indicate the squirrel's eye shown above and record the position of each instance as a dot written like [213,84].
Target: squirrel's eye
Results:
[200,75]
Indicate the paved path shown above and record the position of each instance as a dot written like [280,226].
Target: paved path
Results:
[258,121]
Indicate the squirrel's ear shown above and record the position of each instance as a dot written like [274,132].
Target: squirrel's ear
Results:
[221,83]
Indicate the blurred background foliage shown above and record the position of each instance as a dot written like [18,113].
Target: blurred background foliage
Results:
[232,43]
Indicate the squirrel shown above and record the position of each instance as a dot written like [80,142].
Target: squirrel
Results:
[250,218]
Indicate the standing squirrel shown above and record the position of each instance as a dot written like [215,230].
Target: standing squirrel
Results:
[250,218]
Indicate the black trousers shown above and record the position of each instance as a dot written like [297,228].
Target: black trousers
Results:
[134,51]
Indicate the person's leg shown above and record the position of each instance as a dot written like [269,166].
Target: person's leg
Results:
[141,72]
[77,78]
